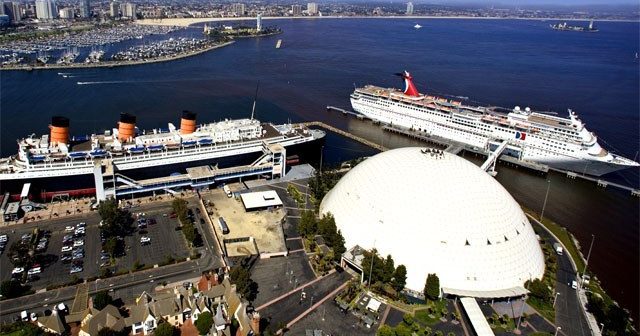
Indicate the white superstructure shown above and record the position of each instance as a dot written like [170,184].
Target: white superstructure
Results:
[562,143]
[40,157]
[435,212]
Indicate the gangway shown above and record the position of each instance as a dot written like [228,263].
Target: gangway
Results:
[127,180]
[490,165]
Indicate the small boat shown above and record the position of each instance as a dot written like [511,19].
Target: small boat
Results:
[98,153]
[136,150]
[278,44]
[155,148]
[205,141]
[189,143]
[74,155]
[417,26]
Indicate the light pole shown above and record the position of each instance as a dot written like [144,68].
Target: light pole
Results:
[544,205]
[524,301]
[557,329]
[554,299]
[584,272]
[373,254]
[601,328]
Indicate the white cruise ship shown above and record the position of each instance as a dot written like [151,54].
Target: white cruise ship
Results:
[561,143]
[57,155]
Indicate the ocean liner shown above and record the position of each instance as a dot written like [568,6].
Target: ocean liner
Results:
[57,155]
[561,143]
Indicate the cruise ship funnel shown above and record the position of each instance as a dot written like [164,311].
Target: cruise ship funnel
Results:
[59,130]
[188,122]
[126,127]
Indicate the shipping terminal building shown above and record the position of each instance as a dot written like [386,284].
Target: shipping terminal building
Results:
[438,213]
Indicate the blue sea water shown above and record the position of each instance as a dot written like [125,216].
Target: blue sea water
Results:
[494,62]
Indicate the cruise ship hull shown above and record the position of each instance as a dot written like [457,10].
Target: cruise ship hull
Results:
[532,149]
[81,179]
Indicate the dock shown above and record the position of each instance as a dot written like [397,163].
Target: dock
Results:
[345,134]
[347,112]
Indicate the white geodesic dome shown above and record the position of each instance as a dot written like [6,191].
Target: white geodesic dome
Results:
[438,213]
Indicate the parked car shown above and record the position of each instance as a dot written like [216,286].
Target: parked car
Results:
[4,238]
[75,269]
[78,242]
[65,258]
[66,249]
[17,270]
[145,240]
[82,225]
[69,228]
[34,270]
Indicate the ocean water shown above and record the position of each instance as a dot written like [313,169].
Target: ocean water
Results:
[496,62]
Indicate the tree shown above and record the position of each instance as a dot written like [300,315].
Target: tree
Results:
[385,330]
[106,331]
[308,224]
[110,245]
[539,290]
[101,300]
[12,289]
[432,287]
[166,329]
[241,277]
[21,328]
[399,278]
[116,221]
[388,268]
[204,323]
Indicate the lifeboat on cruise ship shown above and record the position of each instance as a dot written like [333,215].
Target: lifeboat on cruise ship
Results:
[155,148]
[136,150]
[77,155]
[189,143]
[205,141]
[97,153]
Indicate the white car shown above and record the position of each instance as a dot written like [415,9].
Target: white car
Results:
[80,231]
[82,225]
[69,229]
[145,240]
[17,270]
[3,238]
[66,249]
[78,242]
[35,270]
[574,284]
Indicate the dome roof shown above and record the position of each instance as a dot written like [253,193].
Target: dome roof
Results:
[438,213]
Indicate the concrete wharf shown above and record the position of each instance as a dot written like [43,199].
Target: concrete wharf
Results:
[345,134]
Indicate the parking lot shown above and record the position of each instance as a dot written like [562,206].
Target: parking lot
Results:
[55,268]
[165,242]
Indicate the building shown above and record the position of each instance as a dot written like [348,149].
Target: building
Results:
[296,10]
[85,9]
[312,8]
[238,9]
[17,11]
[409,8]
[95,320]
[435,212]
[180,304]
[259,22]
[46,10]
[67,13]
[114,9]
[128,10]
[7,9]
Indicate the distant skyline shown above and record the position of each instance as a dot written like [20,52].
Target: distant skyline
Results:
[546,3]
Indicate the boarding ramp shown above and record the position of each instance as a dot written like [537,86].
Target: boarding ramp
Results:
[490,165]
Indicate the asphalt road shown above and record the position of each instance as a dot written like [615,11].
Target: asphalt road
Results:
[569,315]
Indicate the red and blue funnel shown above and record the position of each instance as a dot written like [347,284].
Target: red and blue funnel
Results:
[409,87]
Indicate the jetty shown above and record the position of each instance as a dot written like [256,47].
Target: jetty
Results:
[345,134]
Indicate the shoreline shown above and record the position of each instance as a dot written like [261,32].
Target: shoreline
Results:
[113,64]
[186,22]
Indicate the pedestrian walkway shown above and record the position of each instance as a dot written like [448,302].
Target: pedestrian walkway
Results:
[295,290]
[317,304]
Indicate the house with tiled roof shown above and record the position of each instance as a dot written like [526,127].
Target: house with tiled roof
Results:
[109,317]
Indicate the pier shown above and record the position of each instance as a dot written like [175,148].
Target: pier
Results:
[346,112]
[345,134]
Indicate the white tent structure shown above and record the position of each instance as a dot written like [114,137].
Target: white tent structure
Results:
[435,212]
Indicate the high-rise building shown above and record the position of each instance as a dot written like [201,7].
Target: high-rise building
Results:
[238,9]
[67,13]
[17,11]
[85,9]
[296,10]
[312,8]
[129,10]
[259,22]
[409,8]
[46,10]
[7,9]
[114,9]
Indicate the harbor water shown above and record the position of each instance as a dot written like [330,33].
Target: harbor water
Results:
[496,62]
